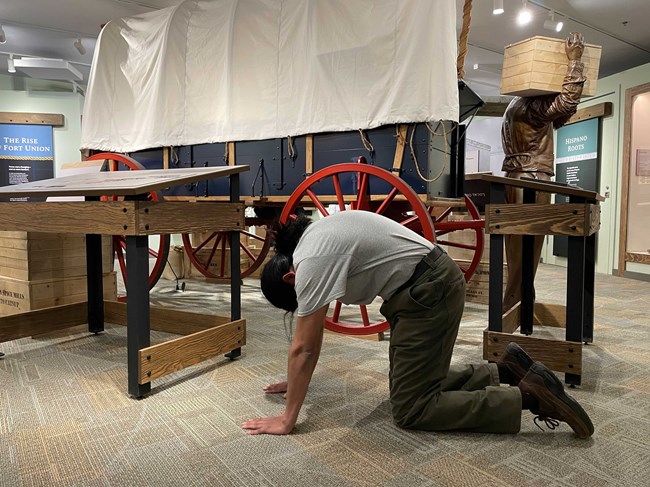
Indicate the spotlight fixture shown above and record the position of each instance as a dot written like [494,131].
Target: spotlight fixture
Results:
[11,68]
[497,7]
[79,46]
[551,24]
[525,16]
[3,37]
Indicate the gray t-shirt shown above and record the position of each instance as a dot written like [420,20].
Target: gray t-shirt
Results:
[354,256]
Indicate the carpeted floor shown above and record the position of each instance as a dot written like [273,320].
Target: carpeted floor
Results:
[65,417]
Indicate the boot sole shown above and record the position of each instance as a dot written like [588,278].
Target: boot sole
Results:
[584,428]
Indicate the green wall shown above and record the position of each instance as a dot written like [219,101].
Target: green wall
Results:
[611,89]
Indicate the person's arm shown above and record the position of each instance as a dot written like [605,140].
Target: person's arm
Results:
[303,356]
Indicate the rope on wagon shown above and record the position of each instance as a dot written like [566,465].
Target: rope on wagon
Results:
[366,143]
[434,133]
[291,150]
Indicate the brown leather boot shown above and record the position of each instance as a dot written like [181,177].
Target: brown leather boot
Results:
[555,404]
[516,361]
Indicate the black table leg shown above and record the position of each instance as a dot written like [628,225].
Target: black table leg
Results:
[527,284]
[137,309]
[590,278]
[235,270]
[495,310]
[575,296]
[95,284]
[526,311]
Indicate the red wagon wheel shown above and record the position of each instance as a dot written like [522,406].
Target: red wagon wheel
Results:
[473,227]
[364,175]
[160,252]
[209,252]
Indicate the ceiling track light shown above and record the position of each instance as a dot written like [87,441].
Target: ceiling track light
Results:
[79,46]
[11,68]
[525,16]
[497,7]
[551,24]
[3,37]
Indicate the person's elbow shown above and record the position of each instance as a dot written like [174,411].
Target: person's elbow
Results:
[304,352]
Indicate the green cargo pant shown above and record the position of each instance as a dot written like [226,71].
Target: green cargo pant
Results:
[425,392]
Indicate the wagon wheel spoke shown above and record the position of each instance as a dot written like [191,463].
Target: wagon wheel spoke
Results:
[339,193]
[214,249]
[205,242]
[409,221]
[337,311]
[458,245]
[443,215]
[223,258]
[119,252]
[389,199]
[252,235]
[317,202]
[364,315]
[246,250]
[362,192]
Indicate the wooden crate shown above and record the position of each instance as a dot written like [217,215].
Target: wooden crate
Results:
[32,256]
[17,296]
[478,287]
[538,65]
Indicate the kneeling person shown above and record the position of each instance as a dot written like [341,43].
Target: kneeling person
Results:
[355,256]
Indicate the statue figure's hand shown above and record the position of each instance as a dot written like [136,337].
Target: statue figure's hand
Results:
[575,45]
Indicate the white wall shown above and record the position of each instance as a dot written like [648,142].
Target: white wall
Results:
[67,137]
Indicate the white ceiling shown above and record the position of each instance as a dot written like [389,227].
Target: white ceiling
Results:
[48,28]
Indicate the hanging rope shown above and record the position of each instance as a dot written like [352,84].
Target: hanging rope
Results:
[366,143]
[174,156]
[291,150]
[462,43]
[434,133]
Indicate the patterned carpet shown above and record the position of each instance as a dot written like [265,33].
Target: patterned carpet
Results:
[66,420]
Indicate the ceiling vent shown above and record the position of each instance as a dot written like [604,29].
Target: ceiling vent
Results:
[41,68]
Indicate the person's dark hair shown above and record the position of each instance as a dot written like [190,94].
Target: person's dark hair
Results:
[279,293]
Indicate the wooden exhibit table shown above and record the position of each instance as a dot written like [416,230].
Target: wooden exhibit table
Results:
[579,219]
[126,211]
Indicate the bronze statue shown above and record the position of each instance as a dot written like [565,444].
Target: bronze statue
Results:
[527,137]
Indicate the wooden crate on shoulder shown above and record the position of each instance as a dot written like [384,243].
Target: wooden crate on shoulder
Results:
[538,65]
[17,296]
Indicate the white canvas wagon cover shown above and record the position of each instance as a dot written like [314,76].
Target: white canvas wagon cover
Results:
[234,70]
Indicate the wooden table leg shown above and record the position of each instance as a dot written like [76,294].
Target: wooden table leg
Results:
[137,309]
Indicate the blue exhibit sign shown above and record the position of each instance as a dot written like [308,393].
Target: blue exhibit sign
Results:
[577,164]
[26,154]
